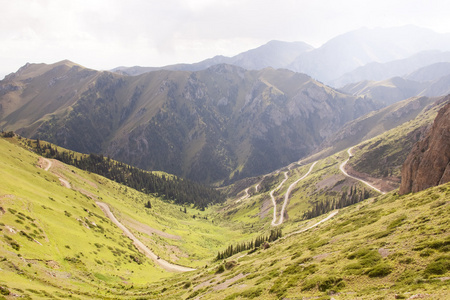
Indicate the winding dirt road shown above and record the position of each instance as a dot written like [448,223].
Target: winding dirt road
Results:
[342,168]
[143,248]
[286,196]
[274,202]
[65,183]
[332,214]
[49,164]
[257,186]
[137,243]
[245,196]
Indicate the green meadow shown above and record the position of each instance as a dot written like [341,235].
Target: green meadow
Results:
[60,239]
[55,242]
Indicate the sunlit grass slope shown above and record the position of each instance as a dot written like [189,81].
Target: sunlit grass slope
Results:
[324,184]
[387,247]
[383,155]
[55,240]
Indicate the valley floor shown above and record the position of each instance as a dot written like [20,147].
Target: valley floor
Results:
[58,243]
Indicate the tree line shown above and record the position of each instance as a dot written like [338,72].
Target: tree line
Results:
[252,245]
[174,188]
[347,198]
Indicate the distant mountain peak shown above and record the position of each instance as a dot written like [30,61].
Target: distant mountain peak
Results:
[275,54]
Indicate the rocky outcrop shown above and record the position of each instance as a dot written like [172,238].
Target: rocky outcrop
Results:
[428,164]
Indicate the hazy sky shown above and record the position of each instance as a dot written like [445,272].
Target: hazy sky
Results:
[103,34]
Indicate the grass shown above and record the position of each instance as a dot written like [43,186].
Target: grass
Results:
[343,255]
[45,224]
[60,240]
[382,156]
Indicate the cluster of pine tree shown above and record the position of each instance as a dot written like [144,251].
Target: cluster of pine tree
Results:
[181,191]
[346,199]
[252,245]
[8,134]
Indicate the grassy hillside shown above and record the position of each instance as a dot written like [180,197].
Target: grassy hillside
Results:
[325,184]
[387,247]
[56,241]
[383,156]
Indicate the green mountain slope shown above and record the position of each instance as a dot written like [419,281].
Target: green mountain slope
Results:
[386,246]
[382,157]
[56,241]
[390,247]
[171,188]
[215,126]
[378,122]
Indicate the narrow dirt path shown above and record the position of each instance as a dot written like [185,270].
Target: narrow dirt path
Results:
[49,164]
[288,192]
[257,186]
[65,183]
[274,202]
[139,245]
[342,168]
[331,215]
[245,196]
[143,248]
[259,183]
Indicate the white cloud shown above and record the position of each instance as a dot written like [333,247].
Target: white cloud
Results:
[103,34]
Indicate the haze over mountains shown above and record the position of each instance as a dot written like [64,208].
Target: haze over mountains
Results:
[307,203]
[402,67]
[222,123]
[225,118]
[275,54]
[402,49]
[395,89]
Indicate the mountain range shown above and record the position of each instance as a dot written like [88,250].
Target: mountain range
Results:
[307,202]
[431,81]
[225,118]
[363,54]
[406,67]
[215,125]
[274,54]
[71,233]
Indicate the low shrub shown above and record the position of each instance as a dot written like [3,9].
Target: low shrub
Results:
[4,291]
[407,260]
[330,283]
[251,293]
[439,266]
[323,284]
[397,222]
[220,269]
[380,270]
[230,264]
[426,252]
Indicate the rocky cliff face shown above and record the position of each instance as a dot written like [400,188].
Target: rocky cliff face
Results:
[428,164]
